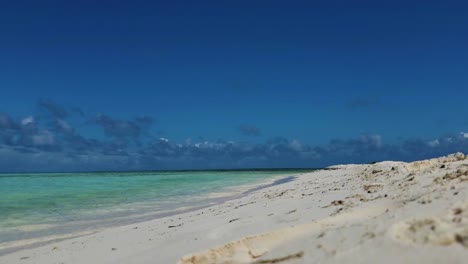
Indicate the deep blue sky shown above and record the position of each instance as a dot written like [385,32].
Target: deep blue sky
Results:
[287,77]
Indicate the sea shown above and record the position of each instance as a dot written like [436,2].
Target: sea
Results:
[36,208]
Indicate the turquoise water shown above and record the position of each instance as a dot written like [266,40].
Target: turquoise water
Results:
[37,205]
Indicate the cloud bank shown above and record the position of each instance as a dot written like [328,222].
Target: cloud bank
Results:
[47,141]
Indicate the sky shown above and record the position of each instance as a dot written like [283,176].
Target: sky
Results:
[148,85]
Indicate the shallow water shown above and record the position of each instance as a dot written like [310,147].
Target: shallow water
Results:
[38,205]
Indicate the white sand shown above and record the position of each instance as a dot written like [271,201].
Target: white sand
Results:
[389,212]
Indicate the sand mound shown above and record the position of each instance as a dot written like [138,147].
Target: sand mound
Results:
[389,186]
[252,249]
[445,230]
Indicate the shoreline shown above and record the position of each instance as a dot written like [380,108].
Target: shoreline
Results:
[11,247]
[387,212]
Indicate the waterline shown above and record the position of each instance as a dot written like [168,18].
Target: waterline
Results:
[35,207]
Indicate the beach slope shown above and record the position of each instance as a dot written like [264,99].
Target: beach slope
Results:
[387,212]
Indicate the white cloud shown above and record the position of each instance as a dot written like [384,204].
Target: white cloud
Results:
[464,134]
[64,125]
[295,145]
[375,140]
[44,138]
[434,143]
[27,120]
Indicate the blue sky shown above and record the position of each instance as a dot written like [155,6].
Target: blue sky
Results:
[256,83]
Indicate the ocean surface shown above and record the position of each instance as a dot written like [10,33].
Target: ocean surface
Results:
[43,206]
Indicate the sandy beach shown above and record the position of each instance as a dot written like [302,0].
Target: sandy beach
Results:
[387,212]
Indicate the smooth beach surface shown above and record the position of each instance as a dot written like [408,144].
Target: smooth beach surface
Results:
[40,207]
[388,212]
